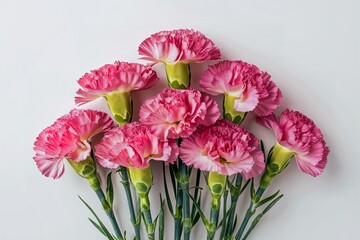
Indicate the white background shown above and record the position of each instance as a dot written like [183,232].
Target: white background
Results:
[310,47]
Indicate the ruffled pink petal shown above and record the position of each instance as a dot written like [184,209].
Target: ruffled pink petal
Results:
[253,88]
[107,162]
[299,135]
[271,123]
[225,148]
[132,145]
[212,111]
[181,45]
[217,79]
[68,138]
[120,76]
[236,162]
[258,167]
[89,123]
[315,161]
[82,151]
[53,168]
[270,96]
[159,50]
[176,113]
[50,149]
[193,155]
[248,101]
[174,152]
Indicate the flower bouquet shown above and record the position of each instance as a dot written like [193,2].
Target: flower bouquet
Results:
[181,127]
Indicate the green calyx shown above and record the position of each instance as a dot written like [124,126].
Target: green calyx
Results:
[87,170]
[278,159]
[120,105]
[142,181]
[178,75]
[229,112]
[217,184]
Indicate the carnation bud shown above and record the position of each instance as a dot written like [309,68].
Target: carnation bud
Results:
[229,112]
[120,105]
[279,158]
[142,180]
[178,75]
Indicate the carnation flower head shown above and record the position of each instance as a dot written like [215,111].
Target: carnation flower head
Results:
[224,148]
[297,135]
[117,77]
[245,87]
[133,145]
[68,138]
[182,45]
[176,113]
[177,49]
[115,82]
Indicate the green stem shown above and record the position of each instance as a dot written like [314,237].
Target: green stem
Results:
[249,213]
[234,199]
[186,201]
[223,224]
[109,212]
[126,183]
[214,216]
[178,213]
[149,224]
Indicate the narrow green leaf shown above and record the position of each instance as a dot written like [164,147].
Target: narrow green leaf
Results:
[269,154]
[106,232]
[161,220]
[205,178]
[167,195]
[109,189]
[252,189]
[244,187]
[272,204]
[196,192]
[172,171]
[232,179]
[196,218]
[98,227]
[262,146]
[202,215]
[230,184]
[227,214]
[223,225]
[155,221]
[196,187]
[190,170]
[235,222]
[266,200]
[260,215]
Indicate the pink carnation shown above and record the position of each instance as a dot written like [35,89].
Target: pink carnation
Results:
[225,148]
[181,45]
[133,145]
[120,76]
[68,138]
[177,113]
[299,134]
[252,89]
